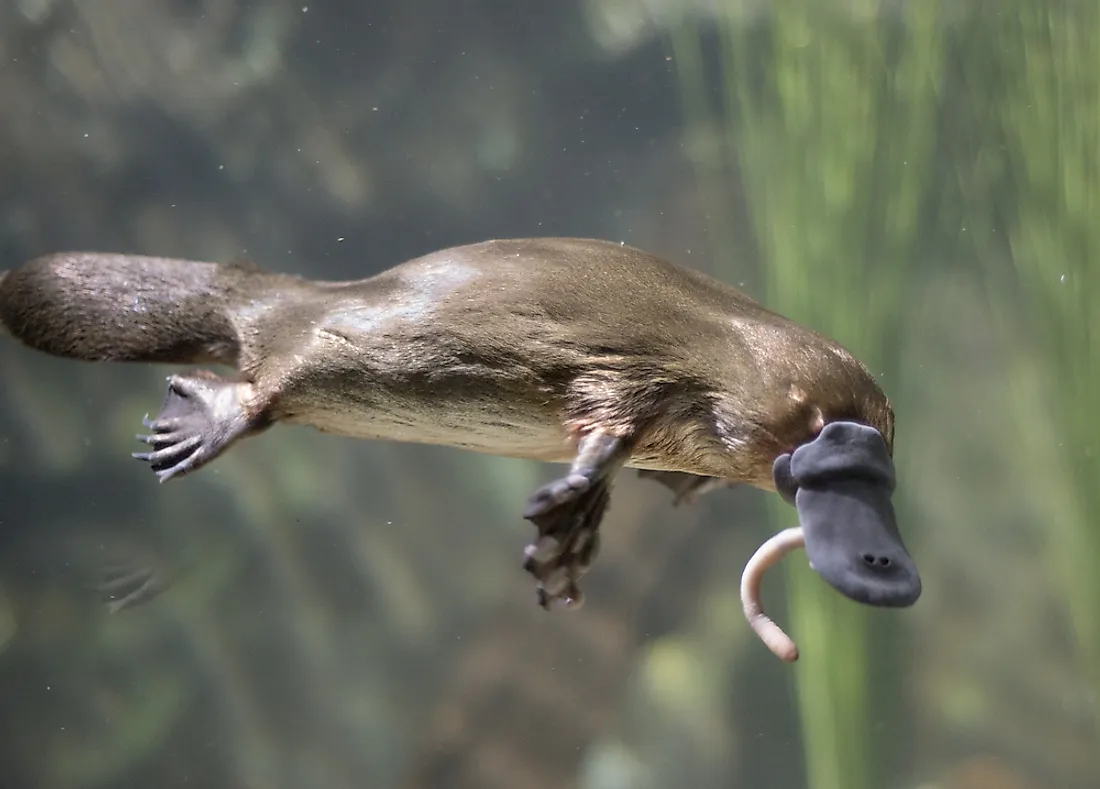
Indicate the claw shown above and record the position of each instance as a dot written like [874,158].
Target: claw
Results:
[184,449]
[541,550]
[167,474]
[199,419]
[574,599]
[162,439]
[163,424]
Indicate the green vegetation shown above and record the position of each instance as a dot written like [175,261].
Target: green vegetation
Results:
[853,166]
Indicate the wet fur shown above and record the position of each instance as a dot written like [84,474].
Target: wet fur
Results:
[511,347]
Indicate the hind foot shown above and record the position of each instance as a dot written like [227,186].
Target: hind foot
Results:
[686,487]
[567,513]
[201,416]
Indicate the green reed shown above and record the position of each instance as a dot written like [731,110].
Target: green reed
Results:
[828,118]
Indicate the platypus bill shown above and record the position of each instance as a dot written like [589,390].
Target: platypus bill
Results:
[575,351]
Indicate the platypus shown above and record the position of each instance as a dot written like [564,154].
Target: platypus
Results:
[578,351]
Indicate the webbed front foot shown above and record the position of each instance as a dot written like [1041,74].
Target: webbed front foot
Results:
[200,418]
[567,513]
[567,543]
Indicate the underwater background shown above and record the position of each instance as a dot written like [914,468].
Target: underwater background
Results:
[920,180]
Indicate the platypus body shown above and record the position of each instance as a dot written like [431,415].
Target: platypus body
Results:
[576,351]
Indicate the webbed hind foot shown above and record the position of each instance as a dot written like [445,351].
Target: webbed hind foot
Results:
[201,417]
[568,512]
[686,487]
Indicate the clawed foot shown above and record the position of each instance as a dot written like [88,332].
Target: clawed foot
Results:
[200,417]
[686,487]
[567,513]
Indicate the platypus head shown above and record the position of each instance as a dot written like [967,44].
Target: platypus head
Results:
[841,484]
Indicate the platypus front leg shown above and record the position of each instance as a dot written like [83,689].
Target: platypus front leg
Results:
[567,513]
[202,416]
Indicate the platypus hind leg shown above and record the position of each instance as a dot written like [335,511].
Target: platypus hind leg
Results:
[686,487]
[202,416]
[567,513]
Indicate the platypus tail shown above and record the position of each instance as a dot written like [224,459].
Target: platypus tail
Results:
[123,308]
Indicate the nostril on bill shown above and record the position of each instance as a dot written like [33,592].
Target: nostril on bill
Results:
[876,562]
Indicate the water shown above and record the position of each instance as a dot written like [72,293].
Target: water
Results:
[919,180]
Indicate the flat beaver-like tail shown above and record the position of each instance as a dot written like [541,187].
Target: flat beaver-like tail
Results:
[124,308]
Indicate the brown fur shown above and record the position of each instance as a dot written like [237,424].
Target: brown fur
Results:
[509,347]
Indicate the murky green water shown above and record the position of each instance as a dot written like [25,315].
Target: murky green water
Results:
[920,180]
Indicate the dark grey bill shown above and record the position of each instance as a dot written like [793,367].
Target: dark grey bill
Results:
[841,484]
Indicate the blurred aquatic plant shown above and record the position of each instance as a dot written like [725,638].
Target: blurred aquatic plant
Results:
[828,114]
[1044,115]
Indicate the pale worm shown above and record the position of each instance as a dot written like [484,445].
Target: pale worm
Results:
[773,550]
